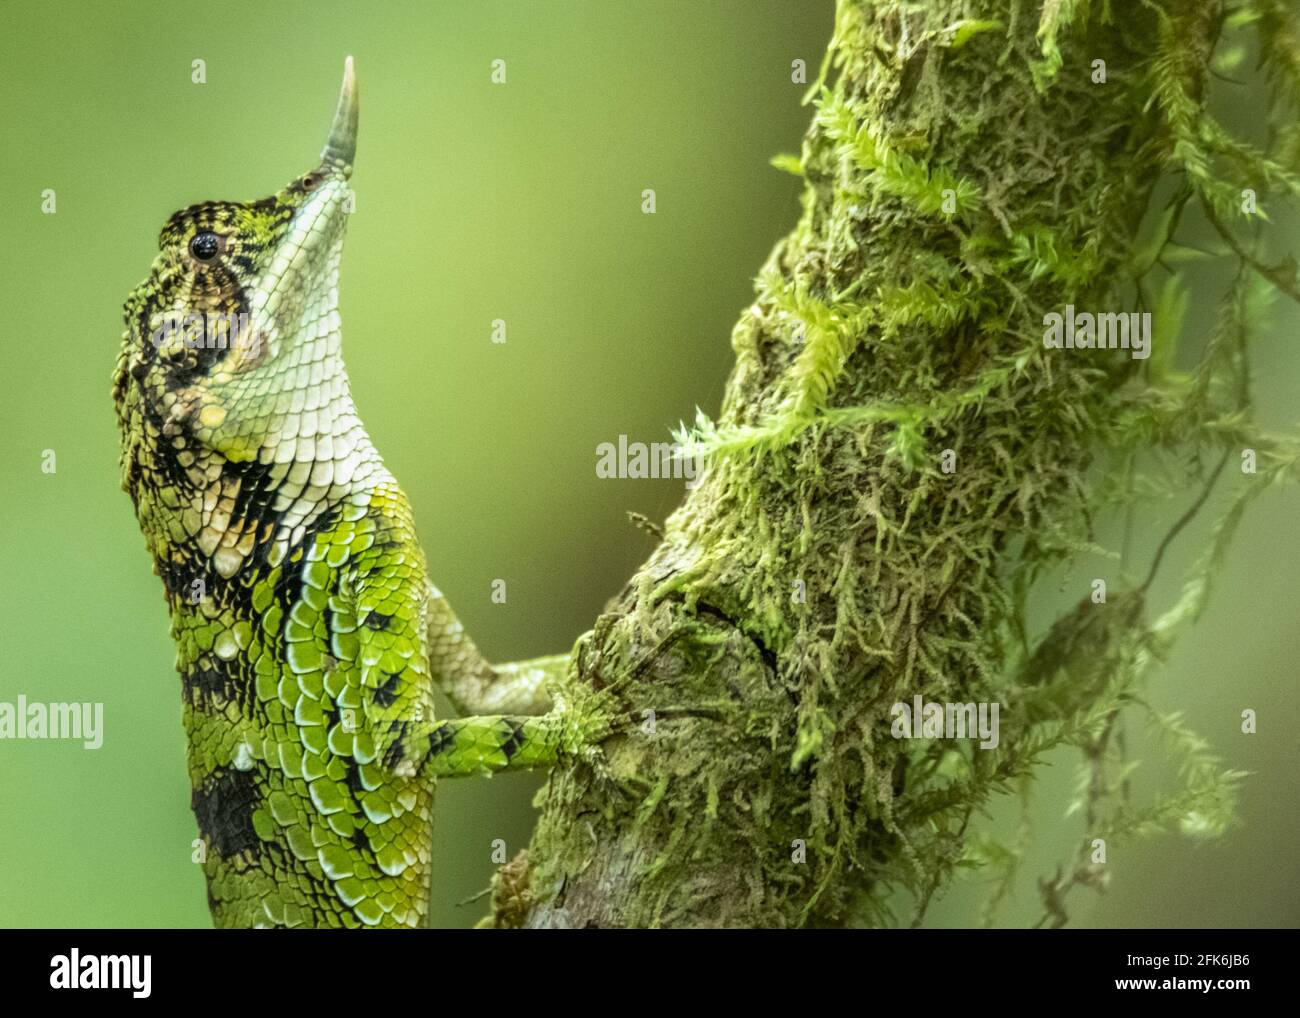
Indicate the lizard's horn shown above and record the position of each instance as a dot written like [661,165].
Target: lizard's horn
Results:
[341,149]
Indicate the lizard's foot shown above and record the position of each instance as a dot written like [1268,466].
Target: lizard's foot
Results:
[590,717]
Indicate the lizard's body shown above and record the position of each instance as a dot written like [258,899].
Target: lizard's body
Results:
[309,638]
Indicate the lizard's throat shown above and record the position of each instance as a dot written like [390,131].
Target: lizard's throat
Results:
[204,510]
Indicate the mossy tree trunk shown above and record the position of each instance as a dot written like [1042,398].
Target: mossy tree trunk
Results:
[896,455]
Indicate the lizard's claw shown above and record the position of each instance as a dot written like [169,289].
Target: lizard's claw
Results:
[592,716]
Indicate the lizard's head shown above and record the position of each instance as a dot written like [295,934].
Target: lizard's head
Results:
[233,340]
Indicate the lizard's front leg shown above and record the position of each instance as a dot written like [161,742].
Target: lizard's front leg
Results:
[472,683]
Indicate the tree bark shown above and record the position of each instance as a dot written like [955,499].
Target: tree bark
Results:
[897,453]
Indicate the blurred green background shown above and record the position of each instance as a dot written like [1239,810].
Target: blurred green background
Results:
[474,202]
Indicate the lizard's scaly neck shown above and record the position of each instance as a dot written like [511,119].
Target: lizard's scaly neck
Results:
[206,516]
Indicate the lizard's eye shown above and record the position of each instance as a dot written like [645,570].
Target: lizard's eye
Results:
[205,246]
